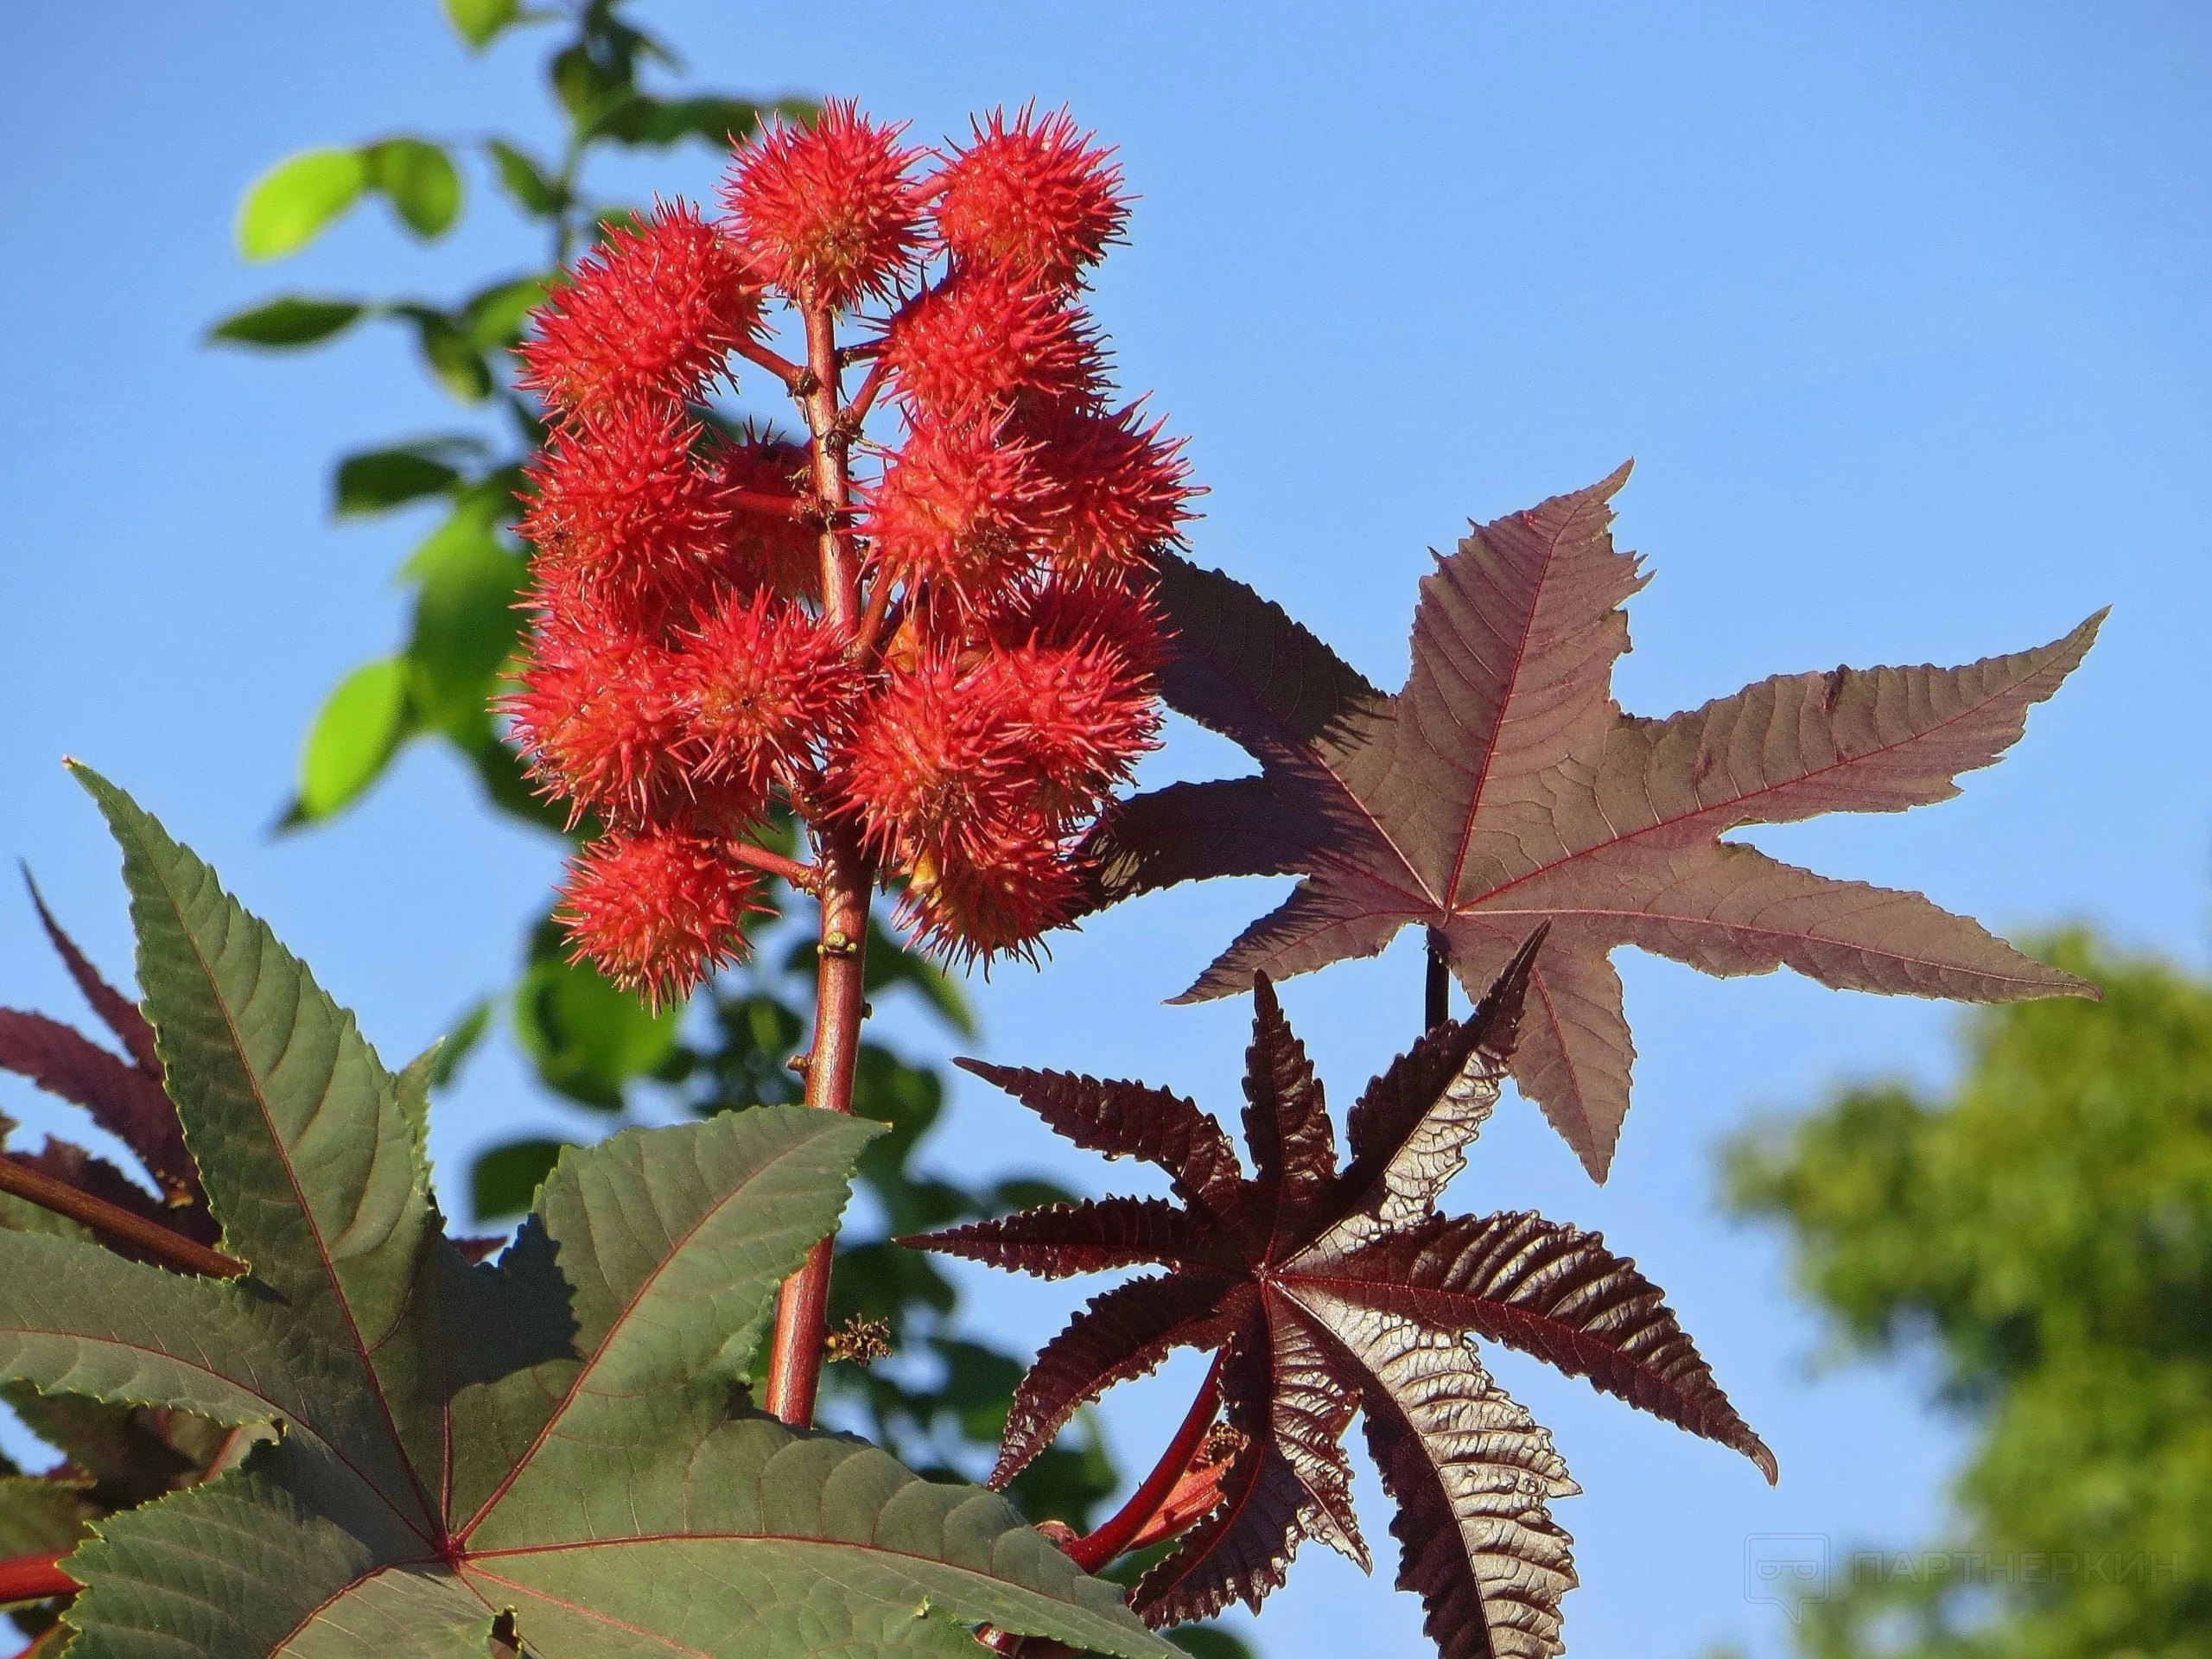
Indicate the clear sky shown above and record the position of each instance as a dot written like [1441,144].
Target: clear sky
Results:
[1901,308]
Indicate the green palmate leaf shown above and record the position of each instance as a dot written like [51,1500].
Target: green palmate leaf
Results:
[562,1438]
[291,204]
[291,320]
[420,181]
[361,726]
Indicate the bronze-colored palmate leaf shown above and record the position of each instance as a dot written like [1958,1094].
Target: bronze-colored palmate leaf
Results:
[1504,786]
[1329,1292]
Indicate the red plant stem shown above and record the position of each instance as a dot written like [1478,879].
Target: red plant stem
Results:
[805,877]
[801,507]
[1094,1550]
[864,399]
[871,630]
[1437,1000]
[846,881]
[36,1578]
[149,1237]
[775,362]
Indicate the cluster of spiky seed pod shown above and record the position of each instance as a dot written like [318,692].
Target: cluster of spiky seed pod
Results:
[943,644]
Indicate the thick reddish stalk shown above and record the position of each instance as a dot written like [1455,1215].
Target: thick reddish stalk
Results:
[34,1578]
[1094,1550]
[149,1237]
[846,881]
[805,877]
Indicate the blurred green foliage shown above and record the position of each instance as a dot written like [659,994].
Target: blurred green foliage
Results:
[940,1402]
[2045,1231]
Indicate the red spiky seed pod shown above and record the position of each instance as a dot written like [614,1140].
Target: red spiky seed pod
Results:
[657,911]
[826,213]
[974,910]
[985,338]
[622,500]
[1119,490]
[763,687]
[653,312]
[930,763]
[1035,199]
[1077,720]
[779,550]
[598,712]
[958,507]
[1073,615]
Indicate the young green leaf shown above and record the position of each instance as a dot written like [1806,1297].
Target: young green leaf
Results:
[292,203]
[480,22]
[291,320]
[444,1435]
[504,1180]
[420,181]
[1504,787]
[380,480]
[533,190]
[362,725]
[1332,1292]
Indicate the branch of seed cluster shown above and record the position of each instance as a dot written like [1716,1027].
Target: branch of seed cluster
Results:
[807,877]
[775,362]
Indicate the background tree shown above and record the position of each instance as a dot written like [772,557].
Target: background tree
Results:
[2045,1231]
[942,1402]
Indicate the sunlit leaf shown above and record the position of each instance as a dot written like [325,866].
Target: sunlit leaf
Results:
[291,204]
[480,22]
[362,723]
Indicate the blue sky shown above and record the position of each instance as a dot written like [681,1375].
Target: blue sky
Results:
[1901,309]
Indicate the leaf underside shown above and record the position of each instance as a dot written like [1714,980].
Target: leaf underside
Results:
[1331,1291]
[1503,786]
[563,1433]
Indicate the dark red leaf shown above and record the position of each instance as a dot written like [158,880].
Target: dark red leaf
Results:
[1473,1476]
[116,1011]
[1350,1293]
[1241,1552]
[1124,1333]
[122,1099]
[1503,786]
[1088,1237]
[1127,1120]
[1547,1289]
[1286,1123]
[1311,1396]
[1411,1129]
